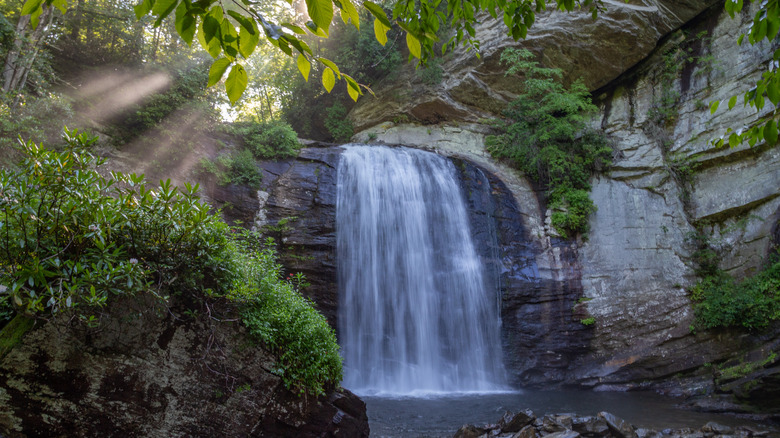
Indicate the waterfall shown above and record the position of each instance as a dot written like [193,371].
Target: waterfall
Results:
[416,314]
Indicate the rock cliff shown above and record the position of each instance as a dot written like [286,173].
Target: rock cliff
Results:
[667,182]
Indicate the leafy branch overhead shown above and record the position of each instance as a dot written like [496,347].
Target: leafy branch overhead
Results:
[230,30]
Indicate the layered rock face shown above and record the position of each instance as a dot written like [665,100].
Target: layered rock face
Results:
[597,51]
[158,372]
[667,182]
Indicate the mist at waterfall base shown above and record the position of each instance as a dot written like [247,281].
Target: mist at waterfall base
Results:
[418,321]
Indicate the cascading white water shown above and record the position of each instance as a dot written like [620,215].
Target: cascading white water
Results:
[415,314]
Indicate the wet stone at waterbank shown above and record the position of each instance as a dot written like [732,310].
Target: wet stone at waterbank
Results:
[526,425]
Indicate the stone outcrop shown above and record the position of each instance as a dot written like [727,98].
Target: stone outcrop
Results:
[541,335]
[603,425]
[159,372]
[597,51]
[300,214]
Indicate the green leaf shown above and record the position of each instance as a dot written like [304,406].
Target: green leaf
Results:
[299,45]
[732,102]
[377,12]
[186,24]
[294,28]
[733,140]
[414,45]
[354,94]
[284,47]
[714,106]
[31,6]
[236,83]
[348,9]
[244,22]
[321,13]
[759,32]
[773,23]
[143,8]
[162,8]
[773,92]
[210,28]
[330,64]
[304,66]
[212,46]
[313,28]
[770,133]
[328,79]
[217,70]
[380,31]
[62,5]
[247,42]
[34,17]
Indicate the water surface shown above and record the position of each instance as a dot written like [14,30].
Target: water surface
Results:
[442,416]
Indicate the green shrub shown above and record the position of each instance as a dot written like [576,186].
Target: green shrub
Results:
[268,140]
[286,322]
[243,169]
[72,237]
[57,225]
[754,302]
[236,168]
[337,123]
[547,138]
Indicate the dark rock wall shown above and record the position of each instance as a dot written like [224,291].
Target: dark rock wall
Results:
[541,333]
[300,214]
[158,372]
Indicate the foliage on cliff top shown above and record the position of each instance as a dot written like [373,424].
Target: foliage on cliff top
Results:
[267,140]
[73,238]
[546,136]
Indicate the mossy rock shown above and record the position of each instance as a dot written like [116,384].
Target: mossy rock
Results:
[13,332]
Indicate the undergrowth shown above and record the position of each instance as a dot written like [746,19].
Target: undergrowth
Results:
[751,303]
[720,300]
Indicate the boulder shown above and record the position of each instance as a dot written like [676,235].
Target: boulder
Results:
[595,51]
[590,426]
[515,422]
[470,431]
[619,427]
[159,372]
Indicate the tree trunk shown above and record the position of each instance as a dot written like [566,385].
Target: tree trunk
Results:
[21,57]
